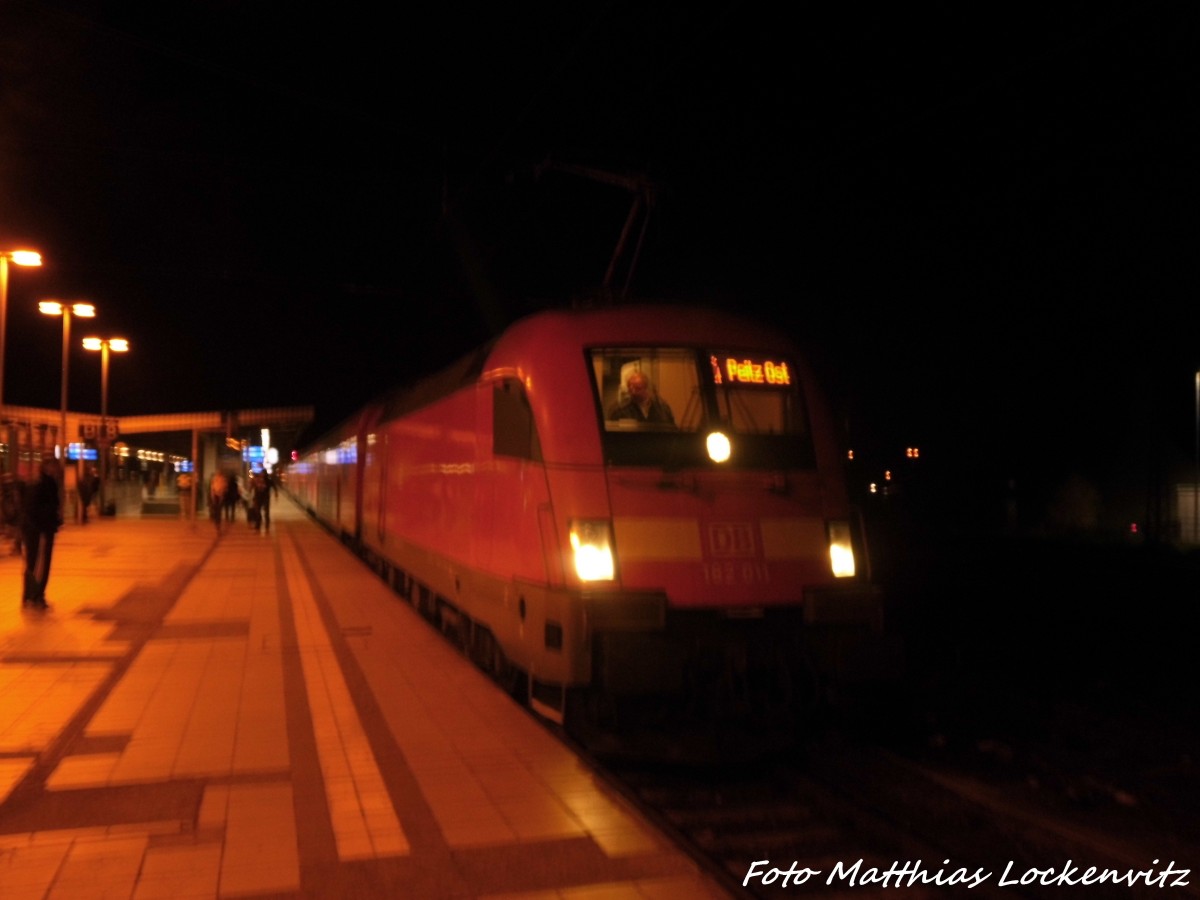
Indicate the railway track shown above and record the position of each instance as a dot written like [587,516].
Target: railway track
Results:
[860,820]
[847,817]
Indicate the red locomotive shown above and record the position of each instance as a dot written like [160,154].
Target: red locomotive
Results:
[612,510]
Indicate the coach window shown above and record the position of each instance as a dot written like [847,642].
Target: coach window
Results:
[513,429]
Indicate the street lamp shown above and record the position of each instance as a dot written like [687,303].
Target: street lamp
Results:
[57,308]
[20,258]
[104,345]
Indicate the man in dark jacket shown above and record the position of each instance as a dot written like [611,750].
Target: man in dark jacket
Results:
[41,516]
[644,404]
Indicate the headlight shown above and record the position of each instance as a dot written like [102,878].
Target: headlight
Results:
[591,545]
[841,550]
[719,447]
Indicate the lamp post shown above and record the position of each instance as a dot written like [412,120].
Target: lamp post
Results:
[104,345]
[58,308]
[20,258]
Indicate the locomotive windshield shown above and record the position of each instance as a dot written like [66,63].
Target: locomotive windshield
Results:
[648,390]
[658,403]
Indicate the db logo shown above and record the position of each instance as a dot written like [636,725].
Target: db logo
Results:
[730,539]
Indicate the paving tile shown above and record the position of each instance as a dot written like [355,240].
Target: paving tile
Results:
[213,694]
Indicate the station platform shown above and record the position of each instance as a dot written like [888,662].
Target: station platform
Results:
[257,715]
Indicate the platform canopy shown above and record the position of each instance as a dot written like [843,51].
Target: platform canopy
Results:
[173,431]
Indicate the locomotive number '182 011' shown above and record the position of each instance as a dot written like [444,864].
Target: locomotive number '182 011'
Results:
[736,572]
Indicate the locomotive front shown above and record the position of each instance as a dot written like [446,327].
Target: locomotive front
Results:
[719,566]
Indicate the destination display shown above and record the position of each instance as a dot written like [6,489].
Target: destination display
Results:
[731,370]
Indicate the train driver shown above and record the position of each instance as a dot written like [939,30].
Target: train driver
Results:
[644,404]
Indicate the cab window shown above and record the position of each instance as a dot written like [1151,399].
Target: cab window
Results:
[757,395]
[658,405]
[648,389]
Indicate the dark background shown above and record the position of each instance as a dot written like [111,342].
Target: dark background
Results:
[977,217]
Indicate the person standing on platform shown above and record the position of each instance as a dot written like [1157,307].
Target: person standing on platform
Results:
[89,484]
[233,497]
[217,487]
[41,517]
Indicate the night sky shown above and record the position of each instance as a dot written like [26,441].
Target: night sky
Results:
[975,215]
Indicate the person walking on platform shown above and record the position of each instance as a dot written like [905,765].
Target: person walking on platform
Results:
[41,517]
[217,487]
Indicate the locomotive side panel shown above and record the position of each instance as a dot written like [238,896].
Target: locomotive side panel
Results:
[512,496]
[466,526]
[424,462]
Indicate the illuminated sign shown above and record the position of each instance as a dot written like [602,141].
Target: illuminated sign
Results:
[750,371]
